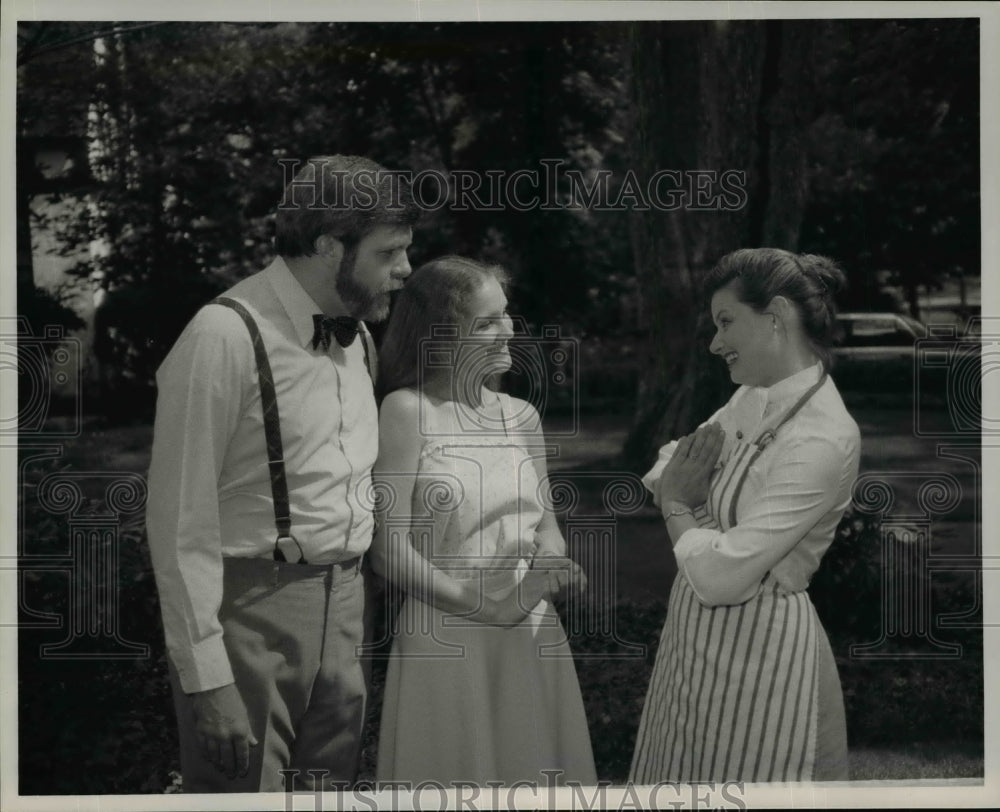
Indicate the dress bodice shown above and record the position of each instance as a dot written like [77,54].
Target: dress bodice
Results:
[476,500]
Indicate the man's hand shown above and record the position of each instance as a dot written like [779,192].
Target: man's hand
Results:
[223,729]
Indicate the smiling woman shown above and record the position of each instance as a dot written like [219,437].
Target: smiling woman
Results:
[774,312]
[480,664]
[448,297]
[745,687]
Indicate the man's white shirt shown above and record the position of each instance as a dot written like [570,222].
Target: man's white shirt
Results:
[209,482]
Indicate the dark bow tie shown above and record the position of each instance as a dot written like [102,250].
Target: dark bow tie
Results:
[342,328]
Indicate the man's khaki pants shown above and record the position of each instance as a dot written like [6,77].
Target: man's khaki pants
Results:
[294,634]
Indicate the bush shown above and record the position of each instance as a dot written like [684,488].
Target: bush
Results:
[846,590]
[133,345]
[614,686]
[92,725]
[109,724]
[43,308]
[912,691]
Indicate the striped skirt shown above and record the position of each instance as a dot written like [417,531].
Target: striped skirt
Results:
[742,693]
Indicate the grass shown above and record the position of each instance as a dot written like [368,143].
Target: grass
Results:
[920,760]
[110,724]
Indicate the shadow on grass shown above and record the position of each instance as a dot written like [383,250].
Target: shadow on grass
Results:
[908,719]
[109,724]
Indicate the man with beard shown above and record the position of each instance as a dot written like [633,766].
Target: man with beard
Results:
[259,490]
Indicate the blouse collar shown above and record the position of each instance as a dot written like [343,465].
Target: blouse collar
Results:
[792,386]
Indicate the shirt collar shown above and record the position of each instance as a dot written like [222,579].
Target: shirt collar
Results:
[298,304]
[793,385]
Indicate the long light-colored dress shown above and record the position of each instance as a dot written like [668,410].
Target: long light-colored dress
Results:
[466,701]
[745,687]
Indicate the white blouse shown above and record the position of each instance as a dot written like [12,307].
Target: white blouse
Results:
[791,500]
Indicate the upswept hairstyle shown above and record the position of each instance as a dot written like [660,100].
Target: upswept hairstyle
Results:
[345,196]
[809,281]
[436,294]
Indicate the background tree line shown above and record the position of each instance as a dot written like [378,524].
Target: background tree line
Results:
[858,139]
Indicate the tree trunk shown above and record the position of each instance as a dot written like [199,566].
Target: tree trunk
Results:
[25,261]
[706,96]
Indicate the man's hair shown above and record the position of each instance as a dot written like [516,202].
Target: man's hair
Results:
[344,196]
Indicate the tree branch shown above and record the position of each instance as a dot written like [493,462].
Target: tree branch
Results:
[26,54]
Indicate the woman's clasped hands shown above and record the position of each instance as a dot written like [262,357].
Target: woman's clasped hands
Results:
[550,576]
[563,575]
[689,471]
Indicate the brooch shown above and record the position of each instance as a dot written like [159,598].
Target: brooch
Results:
[765,439]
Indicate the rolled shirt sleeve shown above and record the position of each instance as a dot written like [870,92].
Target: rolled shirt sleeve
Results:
[200,387]
[799,484]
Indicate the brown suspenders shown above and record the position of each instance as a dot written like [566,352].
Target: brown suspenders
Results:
[272,426]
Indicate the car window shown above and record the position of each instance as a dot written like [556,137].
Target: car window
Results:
[875,333]
[914,326]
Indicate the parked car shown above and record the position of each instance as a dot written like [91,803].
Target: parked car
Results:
[891,352]
[877,336]
[875,352]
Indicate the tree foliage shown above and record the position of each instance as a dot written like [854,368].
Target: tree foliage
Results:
[188,123]
[894,154]
[858,139]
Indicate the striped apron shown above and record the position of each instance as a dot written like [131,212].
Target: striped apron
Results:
[734,694]
[747,692]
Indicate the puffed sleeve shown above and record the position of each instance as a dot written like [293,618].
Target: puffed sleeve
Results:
[802,481]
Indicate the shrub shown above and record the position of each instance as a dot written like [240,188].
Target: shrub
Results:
[902,688]
[107,723]
[110,728]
